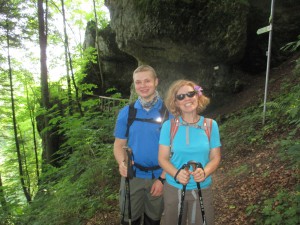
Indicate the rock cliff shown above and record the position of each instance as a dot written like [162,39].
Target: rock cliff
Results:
[211,42]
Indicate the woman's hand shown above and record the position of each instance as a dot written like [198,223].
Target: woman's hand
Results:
[198,174]
[183,176]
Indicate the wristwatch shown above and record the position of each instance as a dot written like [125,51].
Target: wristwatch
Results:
[162,180]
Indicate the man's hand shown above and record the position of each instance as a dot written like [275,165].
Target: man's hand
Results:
[157,188]
[123,169]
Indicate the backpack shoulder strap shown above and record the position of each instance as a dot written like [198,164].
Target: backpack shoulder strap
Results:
[131,117]
[164,113]
[207,123]
[173,130]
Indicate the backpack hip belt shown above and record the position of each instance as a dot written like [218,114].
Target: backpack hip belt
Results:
[146,169]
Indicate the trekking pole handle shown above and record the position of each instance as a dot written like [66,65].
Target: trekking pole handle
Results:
[183,167]
[195,165]
[130,172]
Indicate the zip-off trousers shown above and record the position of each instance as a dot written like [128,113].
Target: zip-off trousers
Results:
[142,202]
[192,213]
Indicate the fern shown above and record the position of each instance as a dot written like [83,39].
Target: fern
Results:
[292,46]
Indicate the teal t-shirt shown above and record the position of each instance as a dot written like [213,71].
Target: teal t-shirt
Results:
[190,143]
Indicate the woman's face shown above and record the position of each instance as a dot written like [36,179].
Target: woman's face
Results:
[145,84]
[186,99]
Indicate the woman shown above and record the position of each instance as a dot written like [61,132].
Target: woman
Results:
[191,142]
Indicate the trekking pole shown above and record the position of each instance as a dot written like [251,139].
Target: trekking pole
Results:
[196,165]
[185,166]
[127,184]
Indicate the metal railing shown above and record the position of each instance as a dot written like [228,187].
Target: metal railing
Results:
[110,104]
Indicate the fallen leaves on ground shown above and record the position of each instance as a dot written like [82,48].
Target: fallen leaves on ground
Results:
[265,175]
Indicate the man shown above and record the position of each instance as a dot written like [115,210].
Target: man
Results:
[141,137]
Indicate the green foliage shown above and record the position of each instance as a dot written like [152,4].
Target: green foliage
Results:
[86,182]
[25,100]
[22,21]
[249,121]
[82,11]
[292,46]
[290,150]
[282,209]
[76,191]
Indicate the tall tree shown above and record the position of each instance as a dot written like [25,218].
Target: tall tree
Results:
[3,202]
[70,65]
[97,45]
[21,172]
[31,110]
[49,150]
[66,45]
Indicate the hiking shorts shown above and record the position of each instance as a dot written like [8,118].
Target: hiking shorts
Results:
[141,200]
[191,211]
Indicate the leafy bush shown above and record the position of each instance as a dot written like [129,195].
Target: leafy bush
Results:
[84,185]
[86,182]
[282,209]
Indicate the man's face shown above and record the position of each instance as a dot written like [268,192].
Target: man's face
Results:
[145,84]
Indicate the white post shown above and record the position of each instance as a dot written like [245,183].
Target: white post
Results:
[268,60]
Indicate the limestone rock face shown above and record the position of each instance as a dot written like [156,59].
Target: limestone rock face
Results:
[211,42]
[116,66]
[180,31]
[182,39]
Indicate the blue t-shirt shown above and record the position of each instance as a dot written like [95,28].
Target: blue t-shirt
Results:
[190,143]
[143,137]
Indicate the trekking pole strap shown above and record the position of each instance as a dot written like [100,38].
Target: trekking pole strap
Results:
[184,166]
[175,177]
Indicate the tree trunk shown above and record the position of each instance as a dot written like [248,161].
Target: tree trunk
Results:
[66,44]
[31,109]
[97,46]
[70,65]
[48,149]
[21,172]
[4,204]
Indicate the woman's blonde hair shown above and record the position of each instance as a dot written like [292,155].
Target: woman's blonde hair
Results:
[170,100]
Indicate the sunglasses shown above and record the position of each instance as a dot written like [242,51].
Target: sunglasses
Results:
[190,94]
